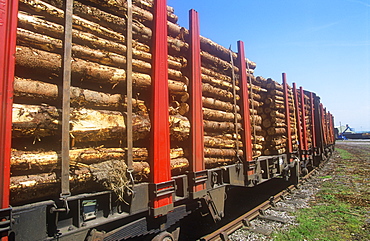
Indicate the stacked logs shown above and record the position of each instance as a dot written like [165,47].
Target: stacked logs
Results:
[293,120]
[98,102]
[221,143]
[256,94]
[308,119]
[273,118]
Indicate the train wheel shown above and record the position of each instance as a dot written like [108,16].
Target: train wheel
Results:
[164,236]
[304,171]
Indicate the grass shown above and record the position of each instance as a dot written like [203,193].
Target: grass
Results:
[337,213]
[344,154]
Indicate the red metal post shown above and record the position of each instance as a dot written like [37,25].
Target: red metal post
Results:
[246,123]
[331,131]
[323,121]
[287,116]
[298,116]
[196,112]
[304,124]
[8,33]
[313,128]
[160,137]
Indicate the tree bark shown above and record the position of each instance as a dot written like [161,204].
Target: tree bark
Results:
[216,152]
[214,126]
[216,115]
[43,63]
[214,92]
[218,104]
[36,162]
[49,44]
[219,142]
[86,124]
[275,131]
[41,92]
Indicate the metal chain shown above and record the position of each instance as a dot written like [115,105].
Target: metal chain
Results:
[253,114]
[235,104]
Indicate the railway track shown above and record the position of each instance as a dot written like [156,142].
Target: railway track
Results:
[259,211]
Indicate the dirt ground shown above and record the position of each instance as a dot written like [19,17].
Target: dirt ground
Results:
[333,205]
[358,170]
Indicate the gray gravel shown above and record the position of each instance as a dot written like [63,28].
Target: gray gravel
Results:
[264,229]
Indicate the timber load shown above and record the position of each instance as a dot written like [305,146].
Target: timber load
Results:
[99,102]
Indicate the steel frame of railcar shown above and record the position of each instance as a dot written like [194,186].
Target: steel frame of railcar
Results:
[158,206]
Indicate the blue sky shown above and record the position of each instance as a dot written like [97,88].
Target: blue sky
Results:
[322,45]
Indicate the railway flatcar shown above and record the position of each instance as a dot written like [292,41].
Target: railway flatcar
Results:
[118,123]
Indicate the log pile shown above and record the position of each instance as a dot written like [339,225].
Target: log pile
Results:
[256,94]
[98,97]
[222,144]
[293,120]
[308,119]
[273,118]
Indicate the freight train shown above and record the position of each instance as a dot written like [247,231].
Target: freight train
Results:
[118,123]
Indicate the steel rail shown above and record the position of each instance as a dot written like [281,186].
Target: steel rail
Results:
[243,220]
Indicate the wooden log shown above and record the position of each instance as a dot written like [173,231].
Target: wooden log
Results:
[220,64]
[257,147]
[179,127]
[216,162]
[43,27]
[216,115]
[95,177]
[36,162]
[218,50]
[47,64]
[226,136]
[216,74]
[271,84]
[258,139]
[221,142]
[211,91]
[275,92]
[86,124]
[104,18]
[41,92]
[214,126]
[30,39]
[256,128]
[218,104]
[257,88]
[255,103]
[256,119]
[275,141]
[217,152]
[276,131]
[138,9]
[270,122]
[277,114]
[217,82]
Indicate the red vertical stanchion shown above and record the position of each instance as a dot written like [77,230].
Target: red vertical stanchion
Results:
[160,138]
[246,124]
[298,116]
[331,130]
[8,33]
[196,112]
[323,122]
[287,116]
[313,127]
[304,125]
